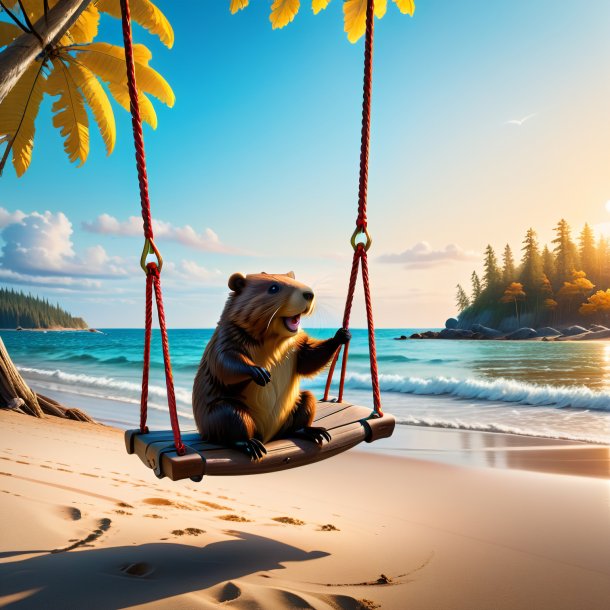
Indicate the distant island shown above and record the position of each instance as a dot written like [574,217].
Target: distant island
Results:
[23,311]
[567,284]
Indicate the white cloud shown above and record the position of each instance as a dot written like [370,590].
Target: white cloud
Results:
[40,245]
[207,241]
[52,281]
[422,256]
[8,218]
[190,270]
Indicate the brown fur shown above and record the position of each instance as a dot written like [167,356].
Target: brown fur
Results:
[232,399]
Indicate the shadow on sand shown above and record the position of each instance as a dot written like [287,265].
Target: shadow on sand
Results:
[131,575]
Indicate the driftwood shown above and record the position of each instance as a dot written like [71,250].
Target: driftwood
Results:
[15,394]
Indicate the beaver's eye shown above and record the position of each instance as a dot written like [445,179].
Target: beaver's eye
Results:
[273,288]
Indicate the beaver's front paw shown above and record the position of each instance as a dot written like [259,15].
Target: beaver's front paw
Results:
[260,376]
[317,434]
[253,448]
[343,336]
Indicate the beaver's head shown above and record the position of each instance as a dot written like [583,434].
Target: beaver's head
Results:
[268,305]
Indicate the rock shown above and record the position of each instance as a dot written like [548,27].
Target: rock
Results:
[430,334]
[451,323]
[485,331]
[548,331]
[597,327]
[522,333]
[401,338]
[416,336]
[574,330]
[455,333]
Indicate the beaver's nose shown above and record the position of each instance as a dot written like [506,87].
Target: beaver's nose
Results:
[308,296]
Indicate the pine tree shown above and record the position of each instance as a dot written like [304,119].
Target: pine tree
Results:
[461,299]
[492,277]
[531,262]
[508,266]
[602,273]
[27,311]
[587,252]
[566,255]
[548,264]
[476,287]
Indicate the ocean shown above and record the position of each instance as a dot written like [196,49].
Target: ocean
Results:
[556,390]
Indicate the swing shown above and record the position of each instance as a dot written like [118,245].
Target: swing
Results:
[180,456]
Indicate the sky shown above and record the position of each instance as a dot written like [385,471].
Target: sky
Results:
[255,168]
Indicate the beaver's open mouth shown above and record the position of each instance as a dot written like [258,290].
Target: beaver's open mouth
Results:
[292,323]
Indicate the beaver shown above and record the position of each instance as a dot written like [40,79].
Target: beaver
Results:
[246,391]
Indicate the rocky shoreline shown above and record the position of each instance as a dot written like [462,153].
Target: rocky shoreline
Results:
[546,333]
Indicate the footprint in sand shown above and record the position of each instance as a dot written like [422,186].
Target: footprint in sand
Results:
[166,502]
[102,526]
[288,520]
[189,531]
[70,512]
[246,595]
[236,518]
[329,527]
[214,505]
[140,569]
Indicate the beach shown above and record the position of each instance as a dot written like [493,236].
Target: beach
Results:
[86,525]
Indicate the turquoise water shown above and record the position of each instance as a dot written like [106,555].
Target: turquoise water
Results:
[538,388]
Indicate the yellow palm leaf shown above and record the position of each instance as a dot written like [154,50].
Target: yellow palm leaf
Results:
[69,114]
[147,111]
[319,5]
[381,6]
[84,29]
[146,14]
[96,99]
[108,62]
[407,7]
[8,33]
[283,12]
[17,115]
[354,18]
[238,5]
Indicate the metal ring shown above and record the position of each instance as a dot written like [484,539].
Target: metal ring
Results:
[150,248]
[357,232]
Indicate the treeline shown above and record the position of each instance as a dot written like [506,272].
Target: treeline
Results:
[566,283]
[21,310]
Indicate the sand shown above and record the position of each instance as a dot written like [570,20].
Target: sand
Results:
[84,525]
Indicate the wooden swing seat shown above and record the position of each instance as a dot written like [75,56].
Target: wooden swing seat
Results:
[348,425]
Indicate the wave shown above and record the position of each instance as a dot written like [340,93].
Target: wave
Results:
[400,358]
[430,422]
[502,390]
[124,360]
[113,389]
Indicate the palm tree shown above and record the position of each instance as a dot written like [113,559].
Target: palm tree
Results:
[71,67]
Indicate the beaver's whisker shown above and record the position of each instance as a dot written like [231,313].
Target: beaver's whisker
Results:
[271,318]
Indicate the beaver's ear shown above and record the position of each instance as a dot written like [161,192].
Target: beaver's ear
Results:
[237,282]
[290,274]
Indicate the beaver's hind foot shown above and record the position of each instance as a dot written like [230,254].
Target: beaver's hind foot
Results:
[253,448]
[317,434]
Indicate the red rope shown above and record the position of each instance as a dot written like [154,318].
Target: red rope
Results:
[360,250]
[153,279]
[136,120]
[147,335]
[169,377]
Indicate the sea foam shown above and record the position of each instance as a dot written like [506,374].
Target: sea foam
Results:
[503,390]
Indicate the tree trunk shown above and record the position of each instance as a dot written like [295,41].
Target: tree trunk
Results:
[15,394]
[19,55]
[14,391]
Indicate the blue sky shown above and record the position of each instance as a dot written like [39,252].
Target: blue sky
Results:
[259,157]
